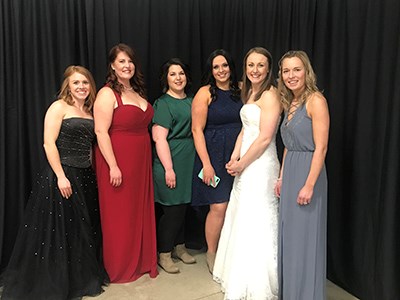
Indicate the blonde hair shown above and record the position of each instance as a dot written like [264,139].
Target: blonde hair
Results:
[266,85]
[65,92]
[285,93]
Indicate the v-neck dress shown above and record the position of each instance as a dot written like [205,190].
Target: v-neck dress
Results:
[302,228]
[127,211]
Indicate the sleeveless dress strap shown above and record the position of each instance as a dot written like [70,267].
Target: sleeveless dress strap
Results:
[118,97]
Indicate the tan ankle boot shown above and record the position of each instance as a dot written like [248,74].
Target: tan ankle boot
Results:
[180,252]
[210,261]
[167,264]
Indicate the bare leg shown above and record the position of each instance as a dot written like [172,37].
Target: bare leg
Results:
[214,223]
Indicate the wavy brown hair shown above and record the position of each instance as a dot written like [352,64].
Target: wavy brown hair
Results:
[286,94]
[137,81]
[268,82]
[65,92]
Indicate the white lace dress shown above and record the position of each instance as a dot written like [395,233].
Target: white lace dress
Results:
[246,261]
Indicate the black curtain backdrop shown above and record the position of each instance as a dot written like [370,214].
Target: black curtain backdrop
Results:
[354,46]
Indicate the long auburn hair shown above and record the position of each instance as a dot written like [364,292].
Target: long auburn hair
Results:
[268,82]
[65,92]
[137,81]
[208,77]
[285,93]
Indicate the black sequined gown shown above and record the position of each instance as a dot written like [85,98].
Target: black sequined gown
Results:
[56,254]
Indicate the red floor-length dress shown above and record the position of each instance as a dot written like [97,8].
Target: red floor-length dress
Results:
[127,211]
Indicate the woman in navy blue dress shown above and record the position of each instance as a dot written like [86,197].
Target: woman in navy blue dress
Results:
[215,125]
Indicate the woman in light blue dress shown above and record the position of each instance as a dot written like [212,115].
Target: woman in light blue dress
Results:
[302,185]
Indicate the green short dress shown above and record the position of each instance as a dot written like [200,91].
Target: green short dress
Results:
[175,115]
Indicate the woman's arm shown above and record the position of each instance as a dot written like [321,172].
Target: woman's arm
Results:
[103,113]
[269,117]
[278,183]
[160,135]
[200,105]
[52,124]
[236,150]
[317,109]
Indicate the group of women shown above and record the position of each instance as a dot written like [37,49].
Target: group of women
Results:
[259,247]
[216,149]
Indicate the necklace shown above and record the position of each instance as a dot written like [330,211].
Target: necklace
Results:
[127,88]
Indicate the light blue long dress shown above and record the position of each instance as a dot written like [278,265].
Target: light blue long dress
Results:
[302,228]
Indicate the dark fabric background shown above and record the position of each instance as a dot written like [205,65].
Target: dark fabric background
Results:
[354,46]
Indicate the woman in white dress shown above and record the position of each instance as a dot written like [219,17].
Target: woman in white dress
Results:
[246,261]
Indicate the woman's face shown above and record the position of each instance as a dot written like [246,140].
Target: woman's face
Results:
[257,68]
[176,79]
[123,66]
[221,70]
[79,86]
[293,74]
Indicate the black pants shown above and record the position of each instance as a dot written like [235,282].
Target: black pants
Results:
[170,226]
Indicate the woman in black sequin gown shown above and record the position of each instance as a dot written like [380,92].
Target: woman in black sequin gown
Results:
[56,254]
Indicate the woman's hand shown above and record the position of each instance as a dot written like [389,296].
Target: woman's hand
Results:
[208,175]
[277,187]
[234,167]
[170,178]
[305,195]
[65,187]
[115,176]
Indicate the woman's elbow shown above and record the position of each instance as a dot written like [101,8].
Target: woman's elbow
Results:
[100,132]
[47,146]
[196,131]
[265,142]
[322,149]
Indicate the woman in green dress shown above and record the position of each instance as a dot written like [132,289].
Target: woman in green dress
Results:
[173,163]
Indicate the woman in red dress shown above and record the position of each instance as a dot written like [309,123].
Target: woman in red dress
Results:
[124,170]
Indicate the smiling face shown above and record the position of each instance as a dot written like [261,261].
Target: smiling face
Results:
[79,86]
[176,79]
[221,70]
[293,74]
[257,68]
[123,67]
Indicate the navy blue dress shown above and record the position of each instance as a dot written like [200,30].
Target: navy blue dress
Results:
[222,128]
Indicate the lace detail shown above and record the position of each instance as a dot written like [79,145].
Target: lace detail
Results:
[246,262]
